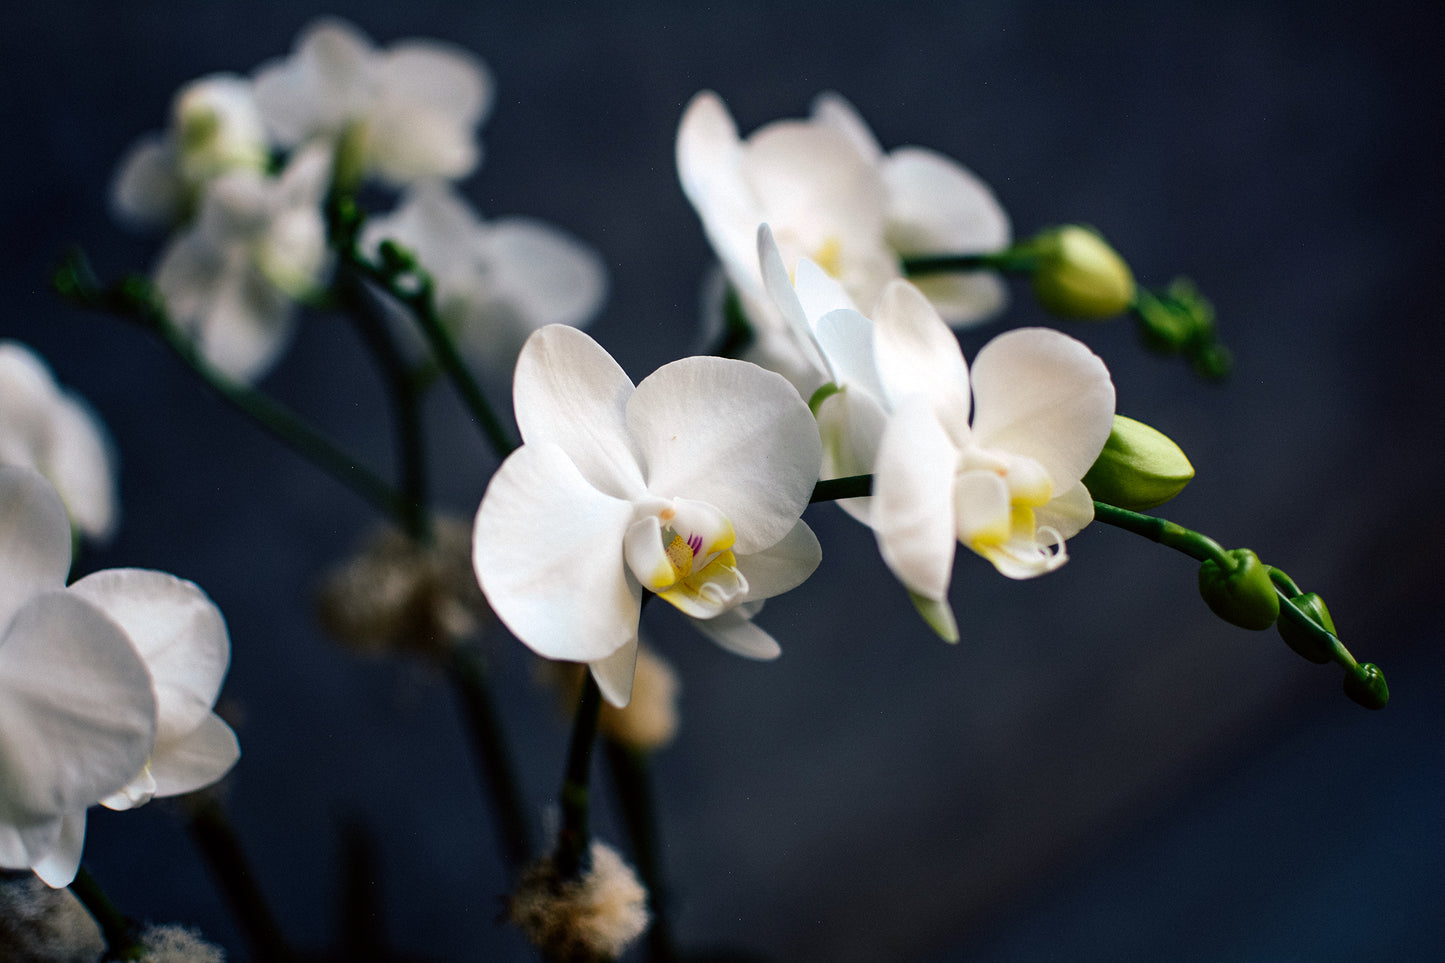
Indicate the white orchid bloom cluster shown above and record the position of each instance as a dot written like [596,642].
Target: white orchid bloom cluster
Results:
[106,686]
[832,195]
[49,429]
[242,176]
[895,403]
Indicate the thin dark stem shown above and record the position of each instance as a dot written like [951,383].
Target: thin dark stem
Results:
[631,775]
[122,934]
[406,397]
[574,839]
[1165,532]
[499,780]
[134,300]
[421,302]
[853,486]
[221,847]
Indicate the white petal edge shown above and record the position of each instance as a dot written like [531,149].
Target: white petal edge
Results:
[912,504]
[615,674]
[548,552]
[34,539]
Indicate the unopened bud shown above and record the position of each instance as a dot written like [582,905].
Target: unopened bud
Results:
[1139,468]
[1299,637]
[218,128]
[1366,685]
[1078,275]
[1243,595]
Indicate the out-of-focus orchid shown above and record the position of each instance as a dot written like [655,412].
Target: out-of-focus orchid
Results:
[215,127]
[232,277]
[44,427]
[496,281]
[833,196]
[690,485]
[403,114]
[106,687]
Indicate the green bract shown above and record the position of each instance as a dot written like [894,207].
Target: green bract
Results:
[1139,467]
[1367,687]
[1243,595]
[1078,275]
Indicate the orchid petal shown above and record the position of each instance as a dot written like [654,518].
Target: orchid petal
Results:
[548,551]
[147,190]
[783,566]
[785,298]
[545,275]
[912,505]
[615,673]
[1068,513]
[834,110]
[197,760]
[918,354]
[81,467]
[34,539]
[735,632]
[709,166]
[1044,395]
[179,634]
[58,867]
[937,204]
[847,340]
[569,392]
[730,434]
[77,716]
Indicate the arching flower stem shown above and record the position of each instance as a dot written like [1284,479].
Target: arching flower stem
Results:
[133,299]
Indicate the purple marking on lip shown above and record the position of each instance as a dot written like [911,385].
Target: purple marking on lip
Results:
[694,542]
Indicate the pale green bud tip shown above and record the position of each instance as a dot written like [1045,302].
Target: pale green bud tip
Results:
[1241,594]
[938,615]
[1139,468]
[1078,275]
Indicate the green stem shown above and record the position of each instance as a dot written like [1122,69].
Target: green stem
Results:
[853,486]
[1019,259]
[1167,533]
[421,302]
[217,840]
[134,299]
[406,398]
[573,841]
[122,934]
[632,778]
[500,779]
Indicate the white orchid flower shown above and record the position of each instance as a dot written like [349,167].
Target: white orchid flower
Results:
[44,427]
[690,485]
[496,281]
[106,687]
[215,127]
[832,196]
[404,114]
[1006,483]
[231,278]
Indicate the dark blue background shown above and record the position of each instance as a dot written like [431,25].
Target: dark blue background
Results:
[1099,770]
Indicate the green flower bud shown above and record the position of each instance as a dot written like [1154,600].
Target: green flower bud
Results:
[1299,637]
[1366,685]
[1078,275]
[1244,596]
[1139,467]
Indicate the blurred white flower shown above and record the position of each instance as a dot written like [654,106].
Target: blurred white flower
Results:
[215,127]
[832,195]
[496,281]
[106,687]
[1005,484]
[44,427]
[690,485]
[77,712]
[231,278]
[404,114]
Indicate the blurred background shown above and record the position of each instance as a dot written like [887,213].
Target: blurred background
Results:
[1100,769]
